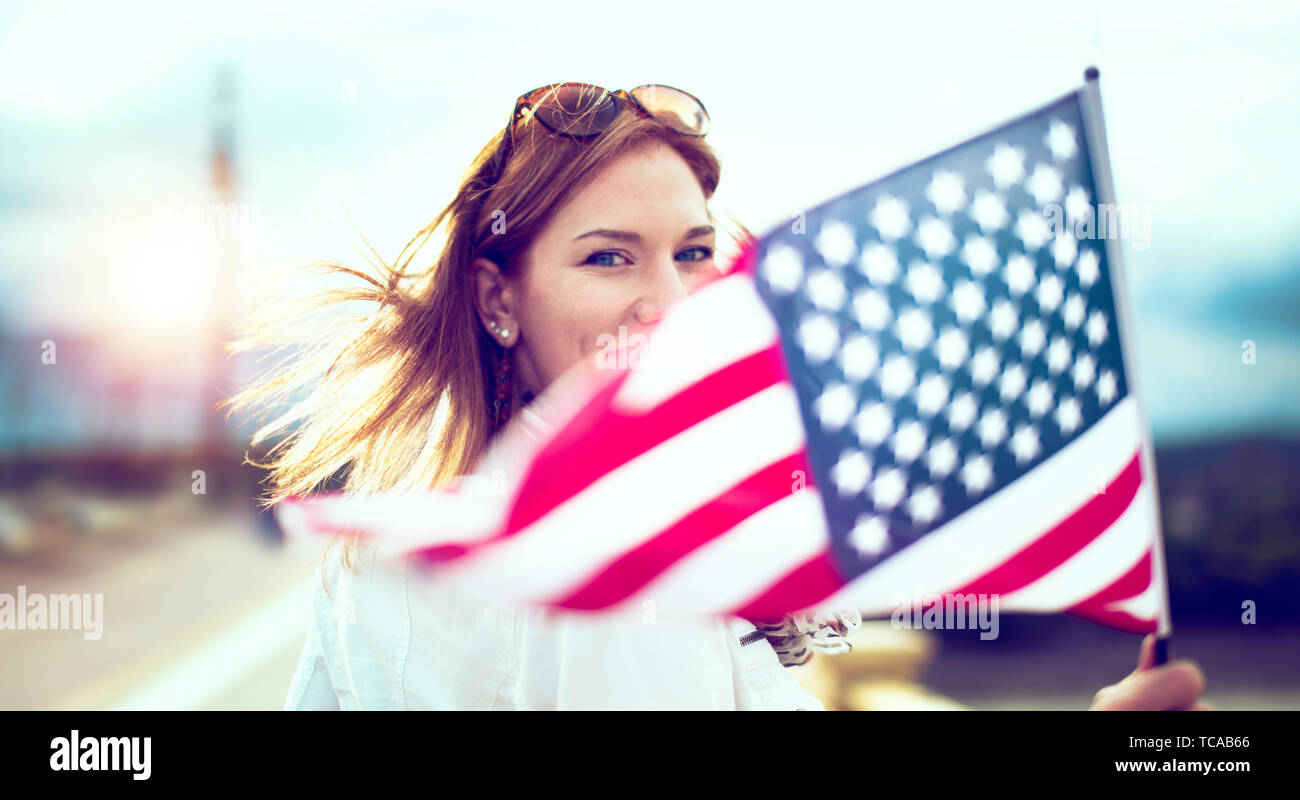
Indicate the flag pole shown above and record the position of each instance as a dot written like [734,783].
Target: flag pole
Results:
[1099,155]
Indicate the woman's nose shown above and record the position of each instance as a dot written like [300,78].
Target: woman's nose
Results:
[665,287]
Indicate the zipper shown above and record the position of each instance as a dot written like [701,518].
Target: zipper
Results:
[751,637]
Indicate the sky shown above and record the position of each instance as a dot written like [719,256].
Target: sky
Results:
[362,117]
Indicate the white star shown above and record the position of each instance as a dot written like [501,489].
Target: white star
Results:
[851,473]
[879,263]
[1012,383]
[984,366]
[1058,355]
[859,357]
[989,212]
[874,424]
[1006,165]
[836,242]
[1003,319]
[870,535]
[1097,329]
[1068,415]
[980,254]
[909,442]
[1045,185]
[935,237]
[1088,268]
[818,336]
[1039,398]
[1064,249]
[977,474]
[962,412]
[826,290]
[924,505]
[951,348]
[946,191]
[889,488]
[1033,337]
[942,458]
[890,218]
[931,395]
[1076,204]
[1019,274]
[1050,289]
[1073,311]
[871,309]
[914,328]
[1107,387]
[835,405]
[1032,230]
[924,281]
[967,300]
[1024,444]
[1060,140]
[1083,372]
[783,268]
[896,376]
[992,427]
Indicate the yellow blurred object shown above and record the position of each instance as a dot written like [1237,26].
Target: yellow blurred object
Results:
[896,695]
[97,516]
[881,673]
[17,533]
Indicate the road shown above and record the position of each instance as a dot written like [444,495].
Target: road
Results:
[197,614]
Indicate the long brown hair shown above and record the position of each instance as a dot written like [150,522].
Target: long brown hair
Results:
[399,398]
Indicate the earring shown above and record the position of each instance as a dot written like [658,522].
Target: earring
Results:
[504,333]
[502,391]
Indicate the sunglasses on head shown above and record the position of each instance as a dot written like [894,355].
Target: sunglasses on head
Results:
[583,111]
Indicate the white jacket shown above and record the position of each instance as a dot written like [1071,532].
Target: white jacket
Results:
[393,637]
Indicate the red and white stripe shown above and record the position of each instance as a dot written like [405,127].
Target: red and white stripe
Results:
[685,483]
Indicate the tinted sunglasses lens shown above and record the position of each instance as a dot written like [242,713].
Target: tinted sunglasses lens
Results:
[575,109]
[677,109]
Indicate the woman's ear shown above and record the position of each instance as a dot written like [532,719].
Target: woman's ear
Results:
[494,297]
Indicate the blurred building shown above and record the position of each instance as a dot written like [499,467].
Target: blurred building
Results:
[86,404]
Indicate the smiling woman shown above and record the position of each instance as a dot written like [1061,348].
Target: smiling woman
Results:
[585,218]
[577,285]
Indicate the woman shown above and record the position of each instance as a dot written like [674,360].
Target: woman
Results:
[586,216]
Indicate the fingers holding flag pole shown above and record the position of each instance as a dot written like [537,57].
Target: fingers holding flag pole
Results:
[1097,152]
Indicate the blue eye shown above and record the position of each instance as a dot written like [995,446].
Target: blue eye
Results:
[706,252]
[603,253]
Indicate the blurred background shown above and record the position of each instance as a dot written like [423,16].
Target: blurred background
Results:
[163,171]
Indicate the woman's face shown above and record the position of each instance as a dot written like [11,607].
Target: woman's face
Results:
[608,264]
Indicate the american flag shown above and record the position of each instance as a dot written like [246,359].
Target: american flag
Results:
[916,388]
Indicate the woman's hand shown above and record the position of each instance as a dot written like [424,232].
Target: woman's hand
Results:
[1170,687]
[795,637]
